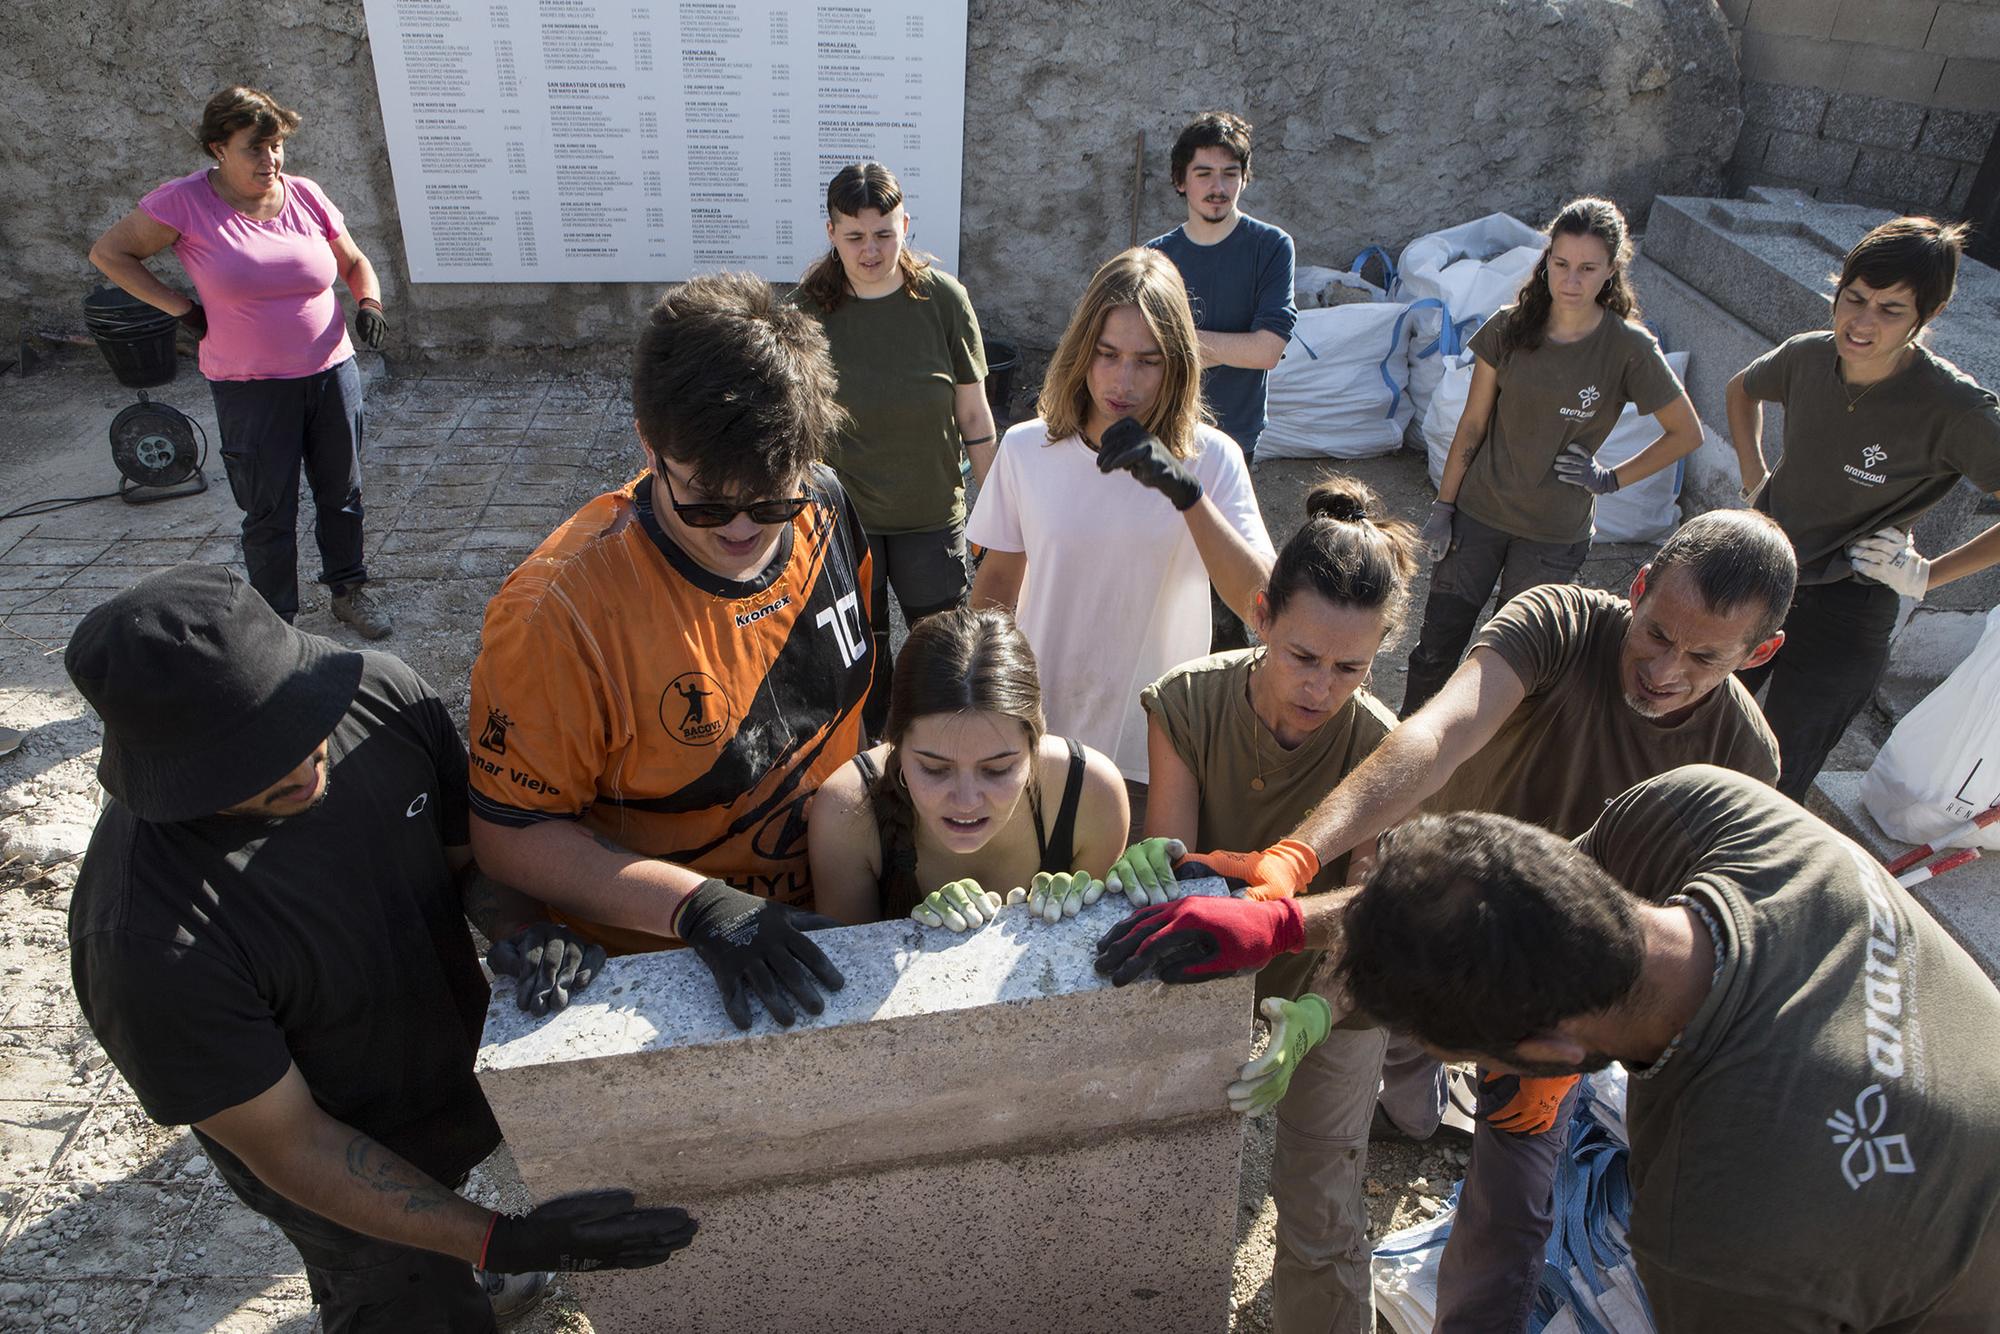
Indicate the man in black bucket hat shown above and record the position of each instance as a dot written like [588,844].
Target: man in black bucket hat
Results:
[268,936]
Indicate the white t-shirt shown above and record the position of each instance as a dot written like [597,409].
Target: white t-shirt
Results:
[1115,593]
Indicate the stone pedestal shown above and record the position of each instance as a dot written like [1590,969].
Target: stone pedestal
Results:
[978,1134]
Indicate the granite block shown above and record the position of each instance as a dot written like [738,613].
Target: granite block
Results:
[1969,84]
[1967,31]
[979,1131]
[1824,161]
[1897,23]
[1919,184]
[1784,106]
[1879,122]
[1961,136]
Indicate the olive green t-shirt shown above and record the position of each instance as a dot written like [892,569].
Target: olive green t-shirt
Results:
[1253,791]
[1900,451]
[1822,1151]
[900,359]
[1573,743]
[1555,396]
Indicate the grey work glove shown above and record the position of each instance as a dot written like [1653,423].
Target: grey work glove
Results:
[1436,533]
[1578,467]
[548,963]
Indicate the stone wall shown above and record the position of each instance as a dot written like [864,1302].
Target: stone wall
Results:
[1375,123]
[1890,103]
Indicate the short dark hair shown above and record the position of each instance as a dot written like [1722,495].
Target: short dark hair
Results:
[1922,252]
[735,384]
[1475,932]
[1734,557]
[1211,129]
[237,108]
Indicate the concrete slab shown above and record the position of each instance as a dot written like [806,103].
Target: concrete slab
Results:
[983,1097]
[1966,901]
[1770,263]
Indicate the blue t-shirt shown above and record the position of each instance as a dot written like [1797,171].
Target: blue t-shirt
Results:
[1240,284]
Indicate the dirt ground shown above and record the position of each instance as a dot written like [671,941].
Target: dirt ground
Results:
[108,1222]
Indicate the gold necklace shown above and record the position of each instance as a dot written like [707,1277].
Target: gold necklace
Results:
[1257,724]
[1852,399]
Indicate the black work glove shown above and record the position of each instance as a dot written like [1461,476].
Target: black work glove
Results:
[753,944]
[548,964]
[1130,446]
[370,326]
[195,319]
[596,1229]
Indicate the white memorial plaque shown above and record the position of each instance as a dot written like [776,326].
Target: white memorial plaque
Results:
[593,141]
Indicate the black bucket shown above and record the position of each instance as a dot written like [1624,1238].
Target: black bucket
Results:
[137,340]
[1002,360]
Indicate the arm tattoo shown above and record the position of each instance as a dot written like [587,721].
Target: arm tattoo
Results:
[386,1174]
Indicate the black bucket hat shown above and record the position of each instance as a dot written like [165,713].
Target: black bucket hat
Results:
[208,697]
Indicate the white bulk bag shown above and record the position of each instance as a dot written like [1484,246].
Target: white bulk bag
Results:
[1648,510]
[1473,269]
[1447,404]
[1338,392]
[1941,766]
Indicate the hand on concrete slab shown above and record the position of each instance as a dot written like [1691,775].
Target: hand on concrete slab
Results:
[1296,1028]
[758,946]
[1198,939]
[1282,871]
[1145,874]
[548,963]
[1053,896]
[1532,1109]
[1889,556]
[1436,532]
[596,1229]
[1578,467]
[960,905]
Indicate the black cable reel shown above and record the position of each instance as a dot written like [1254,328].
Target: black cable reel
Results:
[160,452]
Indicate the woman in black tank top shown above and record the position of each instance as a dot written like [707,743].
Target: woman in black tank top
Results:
[962,811]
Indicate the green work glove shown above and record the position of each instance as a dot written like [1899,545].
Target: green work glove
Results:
[1145,874]
[1296,1028]
[960,905]
[1054,896]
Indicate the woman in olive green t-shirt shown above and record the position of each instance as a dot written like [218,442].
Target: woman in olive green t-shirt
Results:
[1553,371]
[912,377]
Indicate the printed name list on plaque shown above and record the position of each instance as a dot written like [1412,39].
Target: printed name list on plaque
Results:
[592,141]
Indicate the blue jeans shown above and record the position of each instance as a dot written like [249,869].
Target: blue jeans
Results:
[270,428]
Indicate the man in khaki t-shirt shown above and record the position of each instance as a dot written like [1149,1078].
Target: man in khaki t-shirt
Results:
[1815,1097]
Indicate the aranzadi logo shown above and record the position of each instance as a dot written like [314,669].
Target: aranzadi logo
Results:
[1587,397]
[1872,458]
[694,710]
[1868,1150]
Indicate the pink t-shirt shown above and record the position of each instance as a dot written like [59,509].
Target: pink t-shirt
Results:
[267,286]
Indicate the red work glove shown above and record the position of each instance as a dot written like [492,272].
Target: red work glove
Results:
[1532,1109]
[1198,939]
[1281,871]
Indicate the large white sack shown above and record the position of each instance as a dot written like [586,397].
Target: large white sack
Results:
[1313,287]
[1339,390]
[1447,404]
[1648,510]
[1472,270]
[1941,766]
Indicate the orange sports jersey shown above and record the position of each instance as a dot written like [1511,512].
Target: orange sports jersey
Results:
[680,714]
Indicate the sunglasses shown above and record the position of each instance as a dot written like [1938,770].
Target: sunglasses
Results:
[715,514]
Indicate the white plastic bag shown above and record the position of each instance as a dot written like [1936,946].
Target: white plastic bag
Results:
[1314,287]
[1941,766]
[1472,270]
[1648,510]
[1339,390]
[1446,406]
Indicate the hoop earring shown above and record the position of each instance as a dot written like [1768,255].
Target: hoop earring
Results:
[901,781]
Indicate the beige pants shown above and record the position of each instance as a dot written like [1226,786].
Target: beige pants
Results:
[1320,1278]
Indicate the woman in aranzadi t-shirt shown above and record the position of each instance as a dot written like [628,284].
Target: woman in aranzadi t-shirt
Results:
[1553,371]
[1878,429]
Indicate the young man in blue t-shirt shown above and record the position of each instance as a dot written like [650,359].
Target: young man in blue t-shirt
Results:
[1238,273]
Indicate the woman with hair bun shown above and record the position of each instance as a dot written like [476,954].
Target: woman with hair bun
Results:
[968,804]
[1242,745]
[1553,371]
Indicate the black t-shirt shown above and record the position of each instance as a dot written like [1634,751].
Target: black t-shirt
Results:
[210,955]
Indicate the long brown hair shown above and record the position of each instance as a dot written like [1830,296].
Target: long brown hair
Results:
[1146,279]
[967,660]
[858,186]
[1349,551]
[1529,324]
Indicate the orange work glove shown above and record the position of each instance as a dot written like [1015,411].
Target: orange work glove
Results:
[1532,1109]
[1281,871]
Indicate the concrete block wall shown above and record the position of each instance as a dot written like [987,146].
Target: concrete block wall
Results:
[980,1134]
[1889,103]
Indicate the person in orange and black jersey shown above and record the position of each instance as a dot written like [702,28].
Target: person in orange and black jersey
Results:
[664,682]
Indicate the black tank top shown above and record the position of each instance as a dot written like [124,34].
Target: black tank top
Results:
[1057,847]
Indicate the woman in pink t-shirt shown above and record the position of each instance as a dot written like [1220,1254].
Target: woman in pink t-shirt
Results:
[263,250]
